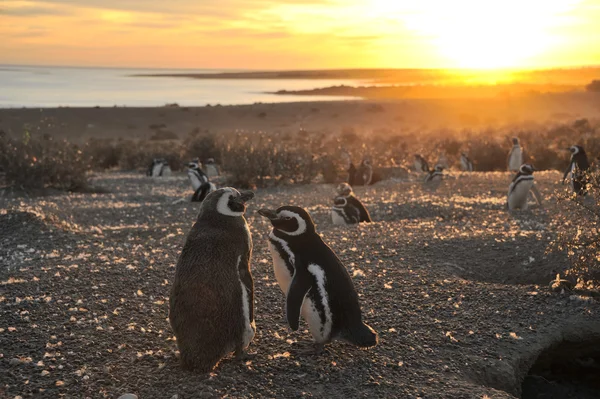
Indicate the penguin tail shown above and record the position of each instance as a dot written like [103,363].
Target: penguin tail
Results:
[362,336]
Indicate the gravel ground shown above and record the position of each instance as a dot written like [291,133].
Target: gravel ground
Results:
[455,286]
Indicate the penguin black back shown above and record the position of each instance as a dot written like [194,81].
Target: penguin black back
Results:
[320,277]
[578,168]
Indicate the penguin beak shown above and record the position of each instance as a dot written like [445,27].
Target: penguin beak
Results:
[246,196]
[272,215]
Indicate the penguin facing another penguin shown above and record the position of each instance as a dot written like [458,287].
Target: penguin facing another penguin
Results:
[212,297]
[314,280]
[578,169]
[518,190]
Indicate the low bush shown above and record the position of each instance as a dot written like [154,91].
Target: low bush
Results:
[38,162]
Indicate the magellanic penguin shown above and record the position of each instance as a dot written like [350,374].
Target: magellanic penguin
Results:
[345,190]
[435,175]
[465,163]
[212,297]
[200,183]
[421,164]
[515,156]
[518,191]
[211,167]
[579,168]
[314,280]
[342,213]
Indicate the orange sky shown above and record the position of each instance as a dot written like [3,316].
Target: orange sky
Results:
[270,34]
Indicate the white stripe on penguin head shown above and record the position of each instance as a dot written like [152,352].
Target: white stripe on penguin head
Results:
[301,223]
[223,203]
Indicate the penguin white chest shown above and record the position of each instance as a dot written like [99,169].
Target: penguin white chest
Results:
[517,199]
[337,217]
[516,159]
[156,169]
[249,325]
[319,324]
[280,268]
[196,183]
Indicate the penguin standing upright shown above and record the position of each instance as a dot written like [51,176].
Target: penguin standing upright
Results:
[365,172]
[578,169]
[421,164]
[515,156]
[157,167]
[314,280]
[518,190]
[345,190]
[200,183]
[212,297]
[211,168]
[342,213]
[166,169]
[465,163]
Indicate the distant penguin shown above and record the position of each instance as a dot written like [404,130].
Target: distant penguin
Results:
[342,213]
[365,172]
[515,156]
[157,166]
[421,164]
[166,169]
[150,170]
[314,280]
[578,168]
[435,175]
[345,190]
[200,183]
[352,174]
[518,191]
[211,168]
[212,297]
[465,163]
[443,160]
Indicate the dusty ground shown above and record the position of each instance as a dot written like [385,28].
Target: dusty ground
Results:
[455,286]
[331,116]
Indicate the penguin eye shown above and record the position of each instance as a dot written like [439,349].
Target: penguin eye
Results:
[287,218]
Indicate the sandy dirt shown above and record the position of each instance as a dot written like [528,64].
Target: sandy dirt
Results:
[413,116]
[456,287]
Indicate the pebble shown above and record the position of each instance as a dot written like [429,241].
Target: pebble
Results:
[128,396]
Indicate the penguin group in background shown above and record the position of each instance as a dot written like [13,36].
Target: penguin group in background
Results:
[518,190]
[465,163]
[578,169]
[314,280]
[212,297]
[159,168]
[421,164]
[363,175]
[348,209]
[515,156]
[200,183]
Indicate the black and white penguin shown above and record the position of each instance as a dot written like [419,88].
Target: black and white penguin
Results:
[212,297]
[465,163]
[211,168]
[200,183]
[342,213]
[345,190]
[435,175]
[159,168]
[314,280]
[515,156]
[365,172]
[578,169]
[421,164]
[518,190]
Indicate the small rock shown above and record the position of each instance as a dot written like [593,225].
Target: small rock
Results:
[128,396]
[14,361]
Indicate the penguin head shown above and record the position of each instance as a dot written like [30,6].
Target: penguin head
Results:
[439,168]
[210,161]
[194,164]
[515,141]
[290,220]
[526,169]
[576,149]
[226,201]
[339,202]
[344,189]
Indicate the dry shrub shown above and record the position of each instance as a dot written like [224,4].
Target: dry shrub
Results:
[39,162]
[579,232]
[102,154]
[137,154]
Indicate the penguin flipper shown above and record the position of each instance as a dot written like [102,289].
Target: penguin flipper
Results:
[567,172]
[299,287]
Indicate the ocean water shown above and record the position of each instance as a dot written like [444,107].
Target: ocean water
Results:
[38,86]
